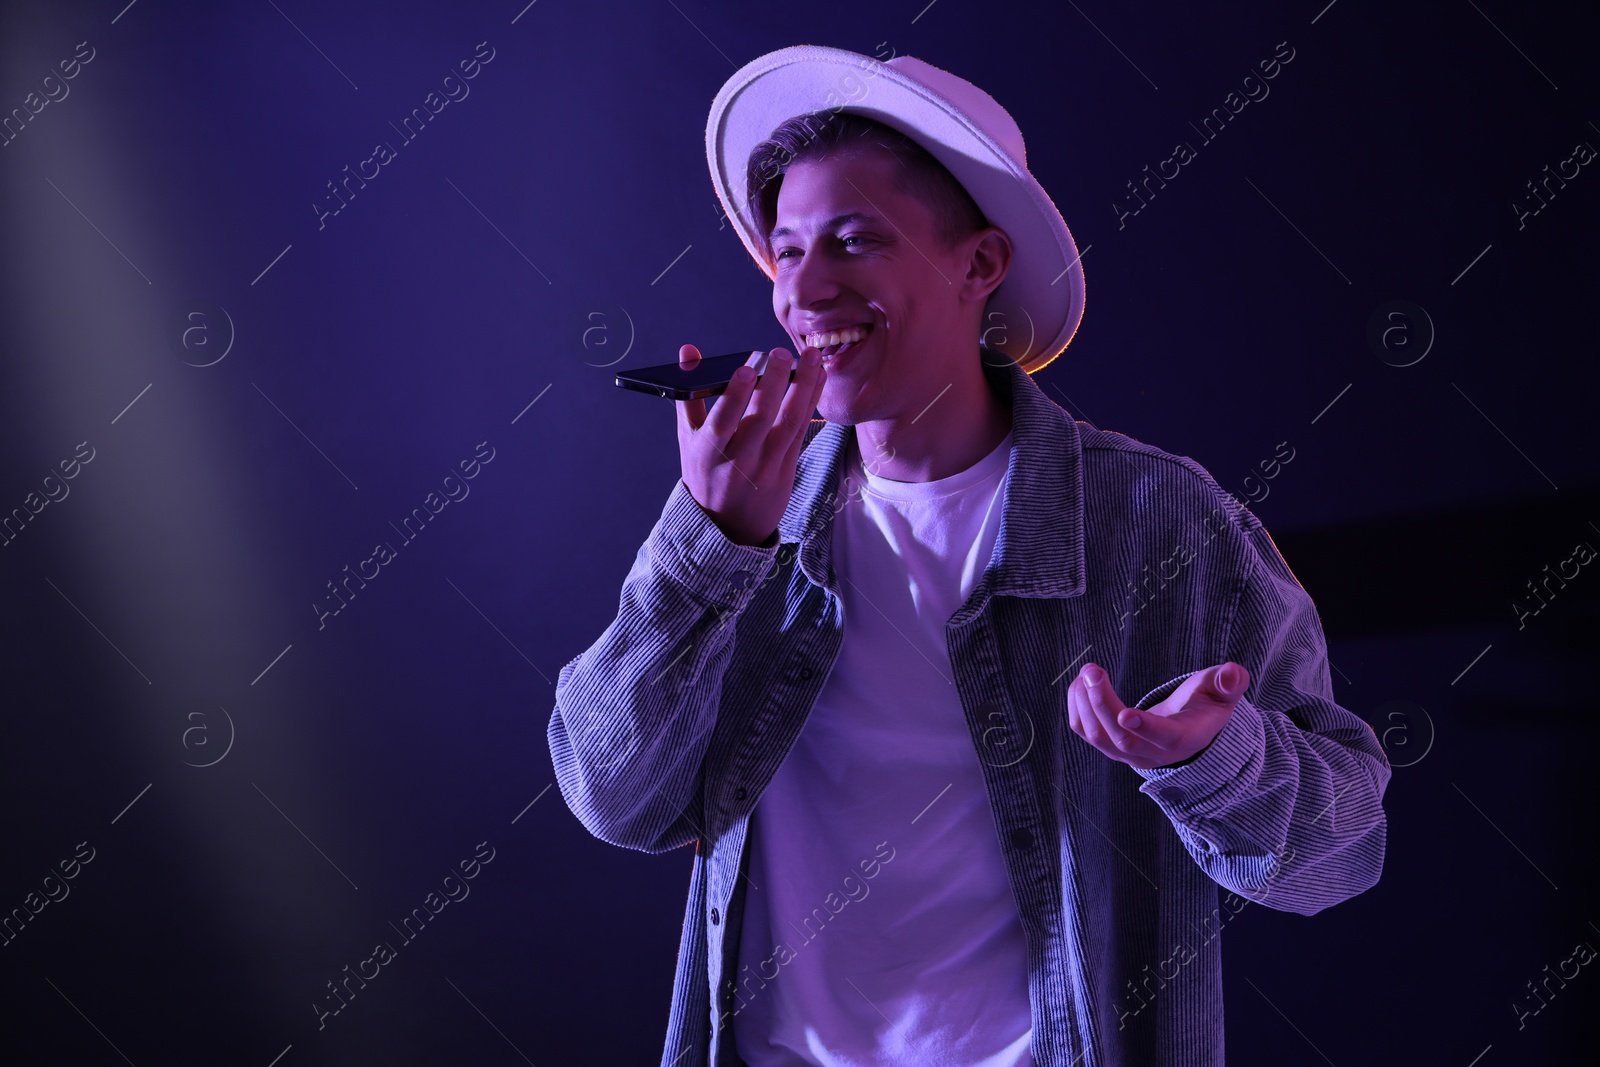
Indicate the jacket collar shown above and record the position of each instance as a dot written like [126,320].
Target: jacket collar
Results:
[1040,549]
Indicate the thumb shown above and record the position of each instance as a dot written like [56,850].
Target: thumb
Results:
[1229,681]
[691,413]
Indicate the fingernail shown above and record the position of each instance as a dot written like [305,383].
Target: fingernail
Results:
[1091,676]
[1228,678]
[813,357]
[1134,722]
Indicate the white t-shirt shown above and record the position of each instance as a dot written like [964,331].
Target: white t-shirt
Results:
[879,924]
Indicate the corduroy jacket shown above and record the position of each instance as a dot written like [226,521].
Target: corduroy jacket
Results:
[667,729]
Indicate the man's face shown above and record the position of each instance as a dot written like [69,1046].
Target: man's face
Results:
[853,250]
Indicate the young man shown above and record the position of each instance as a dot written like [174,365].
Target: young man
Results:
[874,666]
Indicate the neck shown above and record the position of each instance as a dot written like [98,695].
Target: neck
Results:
[920,448]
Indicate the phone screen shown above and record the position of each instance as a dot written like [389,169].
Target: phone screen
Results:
[710,377]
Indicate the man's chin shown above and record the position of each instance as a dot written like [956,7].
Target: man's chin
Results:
[842,416]
[832,410]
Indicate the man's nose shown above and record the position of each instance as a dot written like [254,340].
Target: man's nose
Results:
[814,279]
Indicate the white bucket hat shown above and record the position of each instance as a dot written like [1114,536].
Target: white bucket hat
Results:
[1033,314]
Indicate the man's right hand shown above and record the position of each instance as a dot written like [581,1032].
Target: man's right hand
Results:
[739,464]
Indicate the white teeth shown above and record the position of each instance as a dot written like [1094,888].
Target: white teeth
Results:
[834,337]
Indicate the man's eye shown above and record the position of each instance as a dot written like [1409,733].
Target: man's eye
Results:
[782,253]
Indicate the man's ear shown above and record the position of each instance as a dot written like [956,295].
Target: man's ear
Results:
[989,263]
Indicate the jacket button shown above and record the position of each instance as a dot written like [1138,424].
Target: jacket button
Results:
[740,793]
[716,917]
[1022,837]
[805,672]
[739,579]
[1172,795]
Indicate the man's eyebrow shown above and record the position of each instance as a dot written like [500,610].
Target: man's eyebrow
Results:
[832,224]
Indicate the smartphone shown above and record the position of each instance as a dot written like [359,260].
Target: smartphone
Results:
[710,377]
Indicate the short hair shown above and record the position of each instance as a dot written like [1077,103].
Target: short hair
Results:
[829,133]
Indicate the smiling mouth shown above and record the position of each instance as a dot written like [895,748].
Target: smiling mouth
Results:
[841,340]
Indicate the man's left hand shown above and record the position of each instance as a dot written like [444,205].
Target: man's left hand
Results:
[1173,731]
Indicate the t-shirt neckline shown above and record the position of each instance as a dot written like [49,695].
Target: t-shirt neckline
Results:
[983,470]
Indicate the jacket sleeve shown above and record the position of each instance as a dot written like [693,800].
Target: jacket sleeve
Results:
[634,712]
[1285,806]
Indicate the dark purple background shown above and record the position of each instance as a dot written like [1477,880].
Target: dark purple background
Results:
[143,610]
